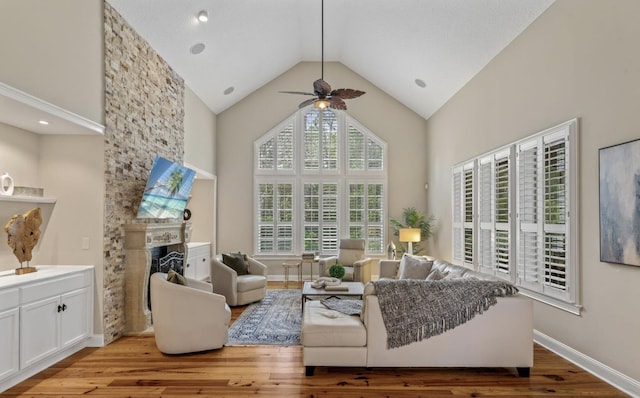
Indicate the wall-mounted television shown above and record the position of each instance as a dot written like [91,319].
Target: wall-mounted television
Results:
[167,190]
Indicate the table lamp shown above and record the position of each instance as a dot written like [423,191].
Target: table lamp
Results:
[410,235]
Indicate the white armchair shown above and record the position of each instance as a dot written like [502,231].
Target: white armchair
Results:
[239,289]
[351,255]
[187,318]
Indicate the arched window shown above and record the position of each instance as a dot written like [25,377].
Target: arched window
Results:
[319,176]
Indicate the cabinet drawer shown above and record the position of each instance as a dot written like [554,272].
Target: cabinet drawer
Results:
[9,299]
[38,291]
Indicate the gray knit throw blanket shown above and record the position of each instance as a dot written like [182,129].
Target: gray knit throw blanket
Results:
[414,310]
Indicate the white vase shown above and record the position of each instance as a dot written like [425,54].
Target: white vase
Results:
[6,185]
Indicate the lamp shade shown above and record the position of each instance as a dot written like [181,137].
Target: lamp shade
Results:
[410,235]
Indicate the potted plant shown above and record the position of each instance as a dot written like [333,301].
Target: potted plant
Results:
[412,218]
[336,271]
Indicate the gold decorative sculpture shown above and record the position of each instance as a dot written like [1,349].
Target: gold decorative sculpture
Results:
[23,232]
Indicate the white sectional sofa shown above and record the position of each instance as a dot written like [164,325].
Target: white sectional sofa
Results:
[502,336]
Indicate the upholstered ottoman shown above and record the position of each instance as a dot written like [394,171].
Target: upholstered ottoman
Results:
[331,338]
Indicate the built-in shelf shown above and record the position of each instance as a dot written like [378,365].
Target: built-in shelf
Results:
[24,111]
[26,199]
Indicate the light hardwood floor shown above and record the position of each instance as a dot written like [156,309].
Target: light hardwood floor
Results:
[133,367]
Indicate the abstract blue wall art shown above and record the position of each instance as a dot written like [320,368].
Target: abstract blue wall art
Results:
[620,203]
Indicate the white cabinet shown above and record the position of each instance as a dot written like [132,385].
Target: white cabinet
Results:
[45,316]
[9,329]
[197,263]
[52,324]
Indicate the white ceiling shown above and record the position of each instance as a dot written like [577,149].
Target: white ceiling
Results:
[390,43]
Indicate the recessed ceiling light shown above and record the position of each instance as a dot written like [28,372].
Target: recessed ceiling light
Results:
[420,83]
[229,90]
[203,16]
[197,48]
[43,122]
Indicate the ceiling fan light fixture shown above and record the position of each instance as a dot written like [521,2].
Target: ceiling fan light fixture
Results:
[203,16]
[321,104]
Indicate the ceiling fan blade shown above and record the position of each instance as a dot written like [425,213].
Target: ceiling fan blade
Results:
[337,103]
[321,87]
[307,102]
[347,93]
[296,92]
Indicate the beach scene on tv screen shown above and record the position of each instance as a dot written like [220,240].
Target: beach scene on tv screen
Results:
[167,190]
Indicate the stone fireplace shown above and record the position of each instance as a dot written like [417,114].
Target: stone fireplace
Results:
[141,241]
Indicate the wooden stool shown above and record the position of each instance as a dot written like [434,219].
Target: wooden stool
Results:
[288,266]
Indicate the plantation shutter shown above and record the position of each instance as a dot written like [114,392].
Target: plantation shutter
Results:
[275,218]
[468,223]
[457,229]
[531,179]
[555,214]
[486,258]
[320,224]
[529,229]
[543,214]
[502,213]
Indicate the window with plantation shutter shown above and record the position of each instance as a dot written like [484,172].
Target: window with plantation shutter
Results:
[366,214]
[275,217]
[494,228]
[320,217]
[537,248]
[463,216]
[277,152]
[310,193]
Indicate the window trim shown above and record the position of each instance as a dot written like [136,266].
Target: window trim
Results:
[569,130]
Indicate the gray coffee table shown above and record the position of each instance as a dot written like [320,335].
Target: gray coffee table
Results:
[355,289]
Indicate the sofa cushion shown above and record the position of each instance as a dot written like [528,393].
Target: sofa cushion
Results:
[322,327]
[436,275]
[414,267]
[250,282]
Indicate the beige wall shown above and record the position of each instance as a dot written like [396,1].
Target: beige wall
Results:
[53,50]
[199,133]
[579,59]
[61,63]
[238,127]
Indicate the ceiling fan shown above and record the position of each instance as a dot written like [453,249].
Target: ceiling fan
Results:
[325,97]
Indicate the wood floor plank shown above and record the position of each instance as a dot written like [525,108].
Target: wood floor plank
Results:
[133,367]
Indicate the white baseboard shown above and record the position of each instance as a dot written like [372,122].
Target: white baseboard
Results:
[96,340]
[620,381]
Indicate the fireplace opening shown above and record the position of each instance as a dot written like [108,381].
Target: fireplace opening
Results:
[162,260]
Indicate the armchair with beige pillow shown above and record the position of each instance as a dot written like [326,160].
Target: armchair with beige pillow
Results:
[351,255]
[241,279]
[187,315]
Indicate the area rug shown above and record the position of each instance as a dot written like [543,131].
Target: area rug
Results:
[275,320]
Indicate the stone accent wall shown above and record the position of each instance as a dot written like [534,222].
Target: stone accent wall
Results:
[144,117]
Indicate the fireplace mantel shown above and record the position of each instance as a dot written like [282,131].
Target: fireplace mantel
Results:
[139,240]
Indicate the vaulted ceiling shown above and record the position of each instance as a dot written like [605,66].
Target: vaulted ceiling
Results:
[395,45]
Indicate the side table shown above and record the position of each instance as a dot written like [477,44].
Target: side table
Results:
[287,267]
[311,261]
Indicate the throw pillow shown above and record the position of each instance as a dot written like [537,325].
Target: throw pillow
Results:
[436,275]
[174,277]
[236,262]
[414,267]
